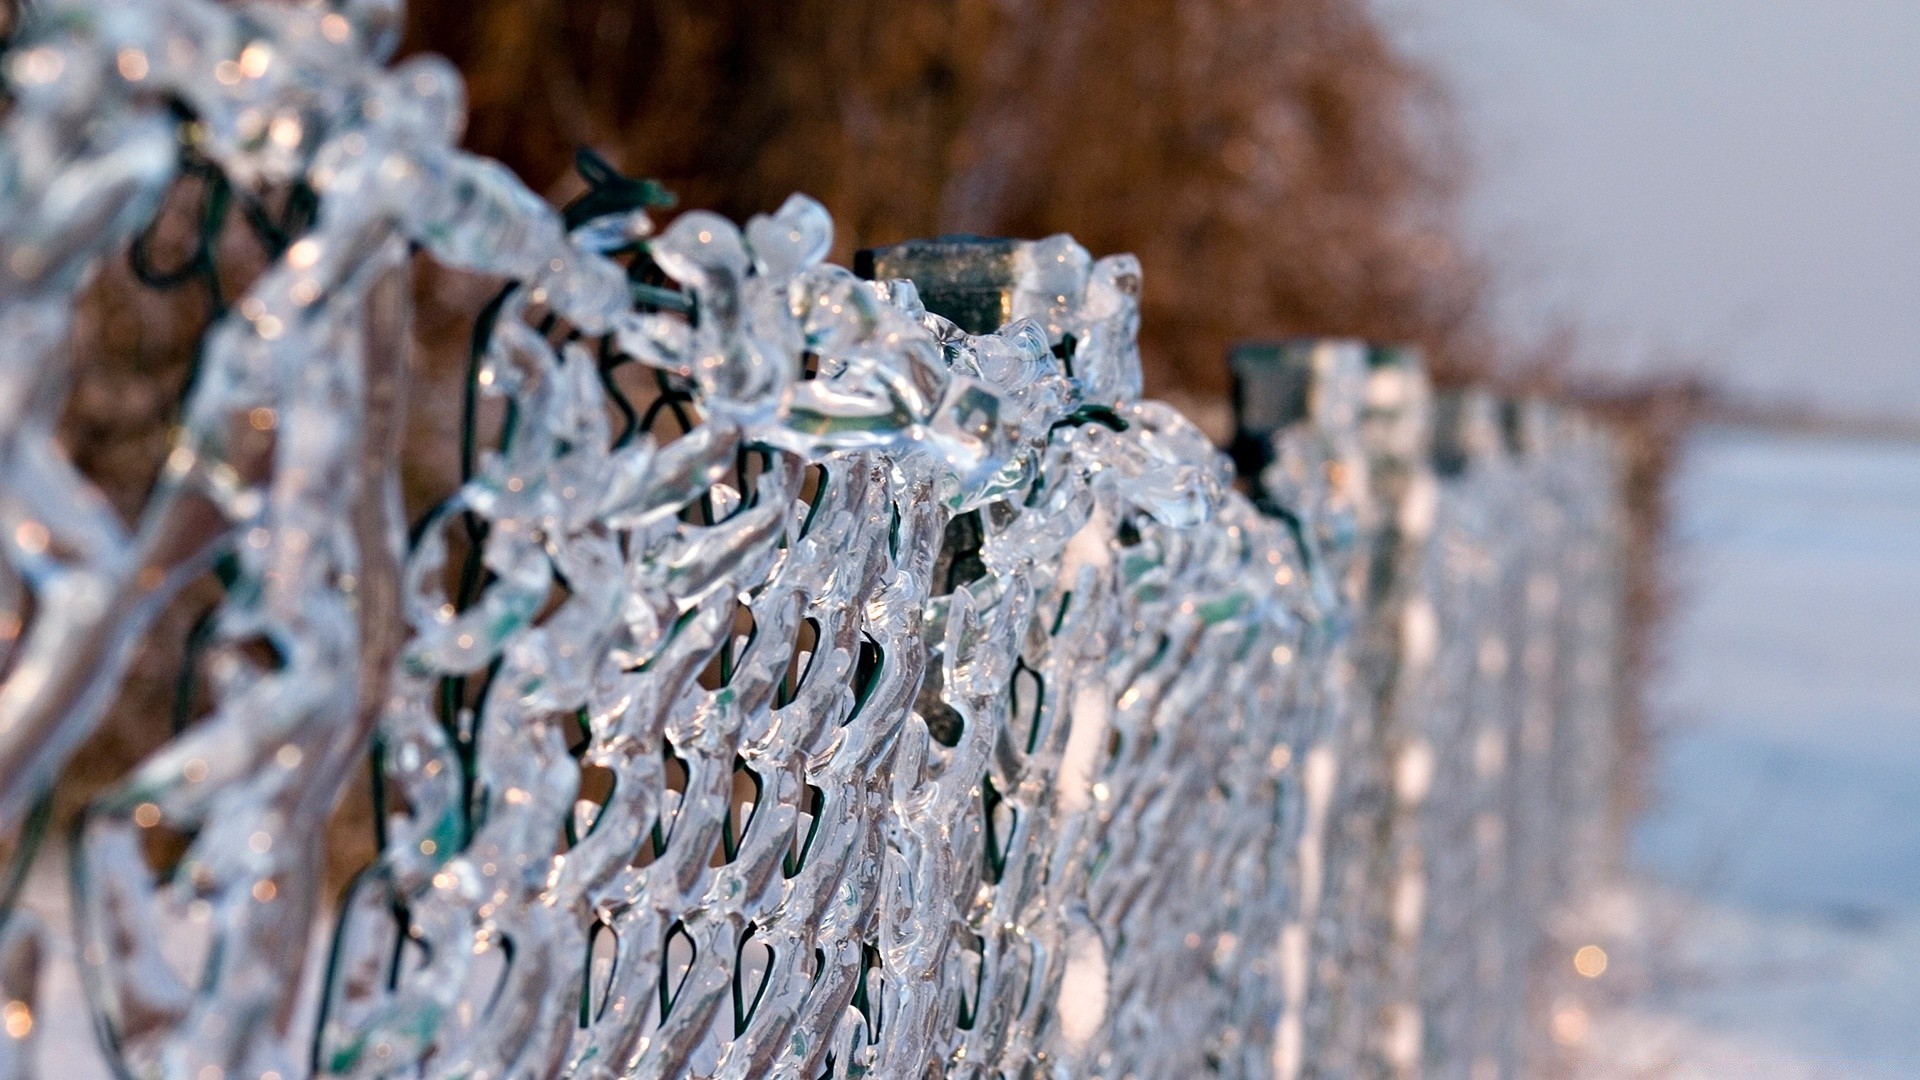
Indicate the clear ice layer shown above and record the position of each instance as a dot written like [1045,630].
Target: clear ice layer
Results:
[922,709]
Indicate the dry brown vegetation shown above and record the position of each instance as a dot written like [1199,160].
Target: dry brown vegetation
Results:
[1277,165]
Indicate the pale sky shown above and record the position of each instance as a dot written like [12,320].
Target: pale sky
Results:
[1735,181]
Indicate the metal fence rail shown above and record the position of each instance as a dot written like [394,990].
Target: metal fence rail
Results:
[857,691]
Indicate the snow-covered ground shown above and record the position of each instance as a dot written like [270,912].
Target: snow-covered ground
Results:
[1773,926]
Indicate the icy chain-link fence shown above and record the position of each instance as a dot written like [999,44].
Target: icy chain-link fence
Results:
[857,692]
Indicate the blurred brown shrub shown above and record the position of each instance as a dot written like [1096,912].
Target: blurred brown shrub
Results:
[1277,165]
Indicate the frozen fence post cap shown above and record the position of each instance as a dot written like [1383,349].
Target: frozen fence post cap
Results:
[1528,425]
[1380,357]
[1272,383]
[967,280]
[1467,431]
[1285,383]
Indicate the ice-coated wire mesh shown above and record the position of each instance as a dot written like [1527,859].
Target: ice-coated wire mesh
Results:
[926,704]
